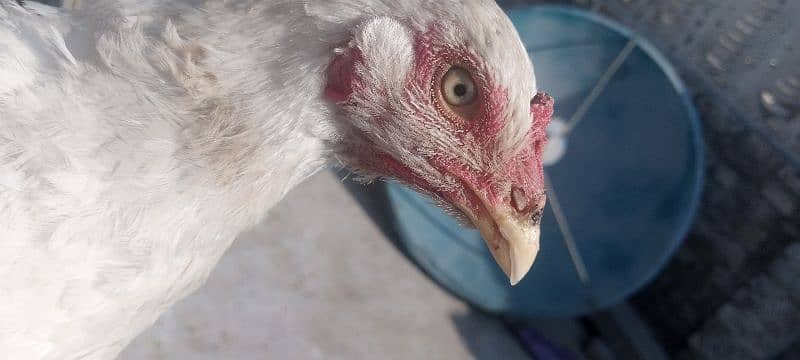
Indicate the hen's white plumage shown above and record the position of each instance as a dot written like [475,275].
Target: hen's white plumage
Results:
[137,139]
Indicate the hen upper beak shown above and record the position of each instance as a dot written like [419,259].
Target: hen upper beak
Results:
[512,238]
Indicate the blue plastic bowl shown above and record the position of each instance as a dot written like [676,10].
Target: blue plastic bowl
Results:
[629,182]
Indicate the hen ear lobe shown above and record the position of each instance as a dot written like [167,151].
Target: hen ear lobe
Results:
[380,54]
[387,47]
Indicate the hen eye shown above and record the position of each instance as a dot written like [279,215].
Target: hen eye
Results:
[458,89]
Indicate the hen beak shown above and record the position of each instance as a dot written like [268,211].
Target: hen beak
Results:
[513,242]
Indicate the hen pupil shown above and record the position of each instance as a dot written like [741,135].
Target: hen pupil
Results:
[460,90]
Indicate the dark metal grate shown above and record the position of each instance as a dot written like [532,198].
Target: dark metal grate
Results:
[741,60]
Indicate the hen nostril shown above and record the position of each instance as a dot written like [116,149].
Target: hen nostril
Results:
[518,198]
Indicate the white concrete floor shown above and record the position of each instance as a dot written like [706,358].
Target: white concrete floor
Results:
[317,279]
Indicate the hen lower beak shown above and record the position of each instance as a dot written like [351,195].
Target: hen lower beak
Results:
[513,241]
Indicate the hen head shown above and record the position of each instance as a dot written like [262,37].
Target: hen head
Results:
[446,103]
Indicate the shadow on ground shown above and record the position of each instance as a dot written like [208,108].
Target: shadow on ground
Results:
[374,198]
[470,325]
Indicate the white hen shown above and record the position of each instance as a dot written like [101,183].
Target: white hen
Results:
[137,139]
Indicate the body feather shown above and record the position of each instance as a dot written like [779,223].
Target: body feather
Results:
[138,138]
[127,167]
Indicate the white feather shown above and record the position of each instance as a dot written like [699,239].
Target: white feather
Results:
[138,138]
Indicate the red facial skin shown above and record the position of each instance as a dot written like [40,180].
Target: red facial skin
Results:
[481,190]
